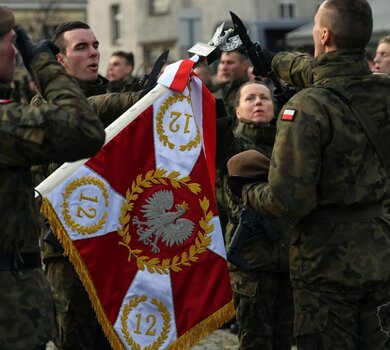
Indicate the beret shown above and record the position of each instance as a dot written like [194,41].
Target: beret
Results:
[249,164]
[7,20]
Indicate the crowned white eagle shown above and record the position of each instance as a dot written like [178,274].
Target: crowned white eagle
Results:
[162,223]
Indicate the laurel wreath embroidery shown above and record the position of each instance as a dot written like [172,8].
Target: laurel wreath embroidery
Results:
[133,303]
[73,225]
[160,125]
[202,241]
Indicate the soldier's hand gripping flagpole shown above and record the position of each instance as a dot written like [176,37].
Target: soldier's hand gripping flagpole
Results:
[261,60]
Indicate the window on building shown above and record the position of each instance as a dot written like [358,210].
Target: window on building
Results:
[151,53]
[190,29]
[287,9]
[159,7]
[116,24]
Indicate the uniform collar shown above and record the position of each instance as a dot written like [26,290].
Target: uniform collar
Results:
[340,63]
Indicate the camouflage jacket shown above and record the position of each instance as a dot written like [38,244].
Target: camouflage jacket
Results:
[295,69]
[65,129]
[259,251]
[108,107]
[323,160]
[132,84]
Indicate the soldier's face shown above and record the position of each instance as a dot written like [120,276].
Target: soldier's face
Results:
[255,104]
[82,55]
[382,58]
[8,54]
[231,66]
[118,69]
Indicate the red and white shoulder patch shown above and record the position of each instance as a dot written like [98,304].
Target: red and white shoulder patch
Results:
[288,114]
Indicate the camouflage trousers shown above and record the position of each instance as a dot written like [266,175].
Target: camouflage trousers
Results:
[26,310]
[343,320]
[264,310]
[76,322]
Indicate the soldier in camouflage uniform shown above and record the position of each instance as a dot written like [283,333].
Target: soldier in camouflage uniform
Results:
[65,129]
[119,71]
[329,176]
[263,295]
[231,74]
[77,325]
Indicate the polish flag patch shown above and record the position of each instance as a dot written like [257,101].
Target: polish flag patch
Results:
[288,114]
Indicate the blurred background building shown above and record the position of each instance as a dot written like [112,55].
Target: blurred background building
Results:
[41,17]
[148,27]
[381,13]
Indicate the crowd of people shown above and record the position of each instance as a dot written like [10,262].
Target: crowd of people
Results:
[312,176]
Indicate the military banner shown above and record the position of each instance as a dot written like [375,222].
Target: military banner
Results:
[139,222]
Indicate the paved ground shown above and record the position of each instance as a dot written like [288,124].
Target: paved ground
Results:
[221,339]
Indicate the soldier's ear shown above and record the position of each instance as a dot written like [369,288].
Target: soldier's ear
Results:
[326,37]
[61,59]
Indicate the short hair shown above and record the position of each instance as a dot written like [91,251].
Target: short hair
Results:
[238,95]
[128,56]
[241,54]
[385,40]
[350,21]
[58,36]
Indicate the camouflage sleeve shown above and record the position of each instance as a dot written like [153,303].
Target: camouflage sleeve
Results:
[291,191]
[295,69]
[64,129]
[112,105]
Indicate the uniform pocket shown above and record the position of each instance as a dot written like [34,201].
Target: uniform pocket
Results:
[312,322]
[245,287]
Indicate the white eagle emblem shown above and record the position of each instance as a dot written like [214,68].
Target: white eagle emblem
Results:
[162,223]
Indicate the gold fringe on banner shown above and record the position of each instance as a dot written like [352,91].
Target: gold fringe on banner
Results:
[204,328]
[190,338]
[76,260]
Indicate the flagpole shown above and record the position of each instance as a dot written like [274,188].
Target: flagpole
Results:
[65,170]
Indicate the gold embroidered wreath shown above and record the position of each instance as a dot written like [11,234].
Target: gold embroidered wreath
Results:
[202,241]
[164,314]
[160,125]
[73,225]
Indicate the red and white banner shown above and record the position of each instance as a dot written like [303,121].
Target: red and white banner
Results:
[139,223]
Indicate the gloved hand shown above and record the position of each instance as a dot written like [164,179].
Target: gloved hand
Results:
[28,50]
[268,56]
[236,183]
[244,167]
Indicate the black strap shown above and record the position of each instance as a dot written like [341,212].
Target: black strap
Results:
[372,132]
[23,261]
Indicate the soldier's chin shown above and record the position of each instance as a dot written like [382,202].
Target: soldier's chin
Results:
[91,77]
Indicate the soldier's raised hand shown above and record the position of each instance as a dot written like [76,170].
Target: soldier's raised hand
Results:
[28,50]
